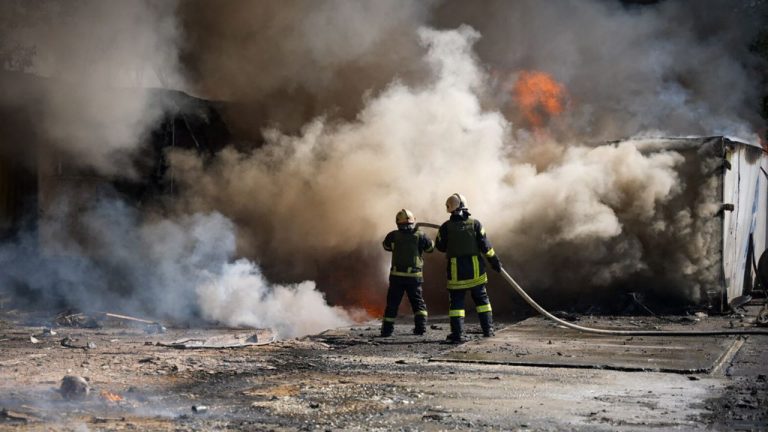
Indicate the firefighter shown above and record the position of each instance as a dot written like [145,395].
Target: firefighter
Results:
[464,242]
[407,245]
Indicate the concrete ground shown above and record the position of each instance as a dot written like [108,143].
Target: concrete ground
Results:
[350,379]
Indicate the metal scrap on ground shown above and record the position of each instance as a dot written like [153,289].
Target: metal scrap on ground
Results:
[151,326]
[238,340]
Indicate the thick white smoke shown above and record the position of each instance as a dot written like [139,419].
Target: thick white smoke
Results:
[240,295]
[174,269]
[334,188]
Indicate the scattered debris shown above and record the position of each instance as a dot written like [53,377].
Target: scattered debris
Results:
[34,340]
[107,419]
[17,416]
[74,387]
[75,319]
[762,316]
[68,342]
[48,332]
[199,409]
[262,337]
[737,303]
[151,327]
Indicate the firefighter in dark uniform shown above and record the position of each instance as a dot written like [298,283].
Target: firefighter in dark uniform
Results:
[463,240]
[407,245]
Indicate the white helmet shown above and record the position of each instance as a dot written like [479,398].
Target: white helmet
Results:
[455,202]
[404,216]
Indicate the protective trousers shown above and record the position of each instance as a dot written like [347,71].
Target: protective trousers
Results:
[456,311]
[397,287]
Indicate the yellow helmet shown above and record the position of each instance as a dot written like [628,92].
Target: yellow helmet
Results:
[404,216]
[455,202]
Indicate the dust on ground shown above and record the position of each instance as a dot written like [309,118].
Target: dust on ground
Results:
[351,379]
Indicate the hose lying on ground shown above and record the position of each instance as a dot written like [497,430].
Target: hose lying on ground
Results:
[541,310]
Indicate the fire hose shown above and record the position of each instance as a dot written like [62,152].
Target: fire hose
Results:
[615,332]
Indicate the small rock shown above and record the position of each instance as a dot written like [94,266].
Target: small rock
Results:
[199,409]
[74,387]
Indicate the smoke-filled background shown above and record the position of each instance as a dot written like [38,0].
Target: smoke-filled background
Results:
[341,113]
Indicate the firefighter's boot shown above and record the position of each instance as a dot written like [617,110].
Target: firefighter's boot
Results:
[486,323]
[457,331]
[419,324]
[387,328]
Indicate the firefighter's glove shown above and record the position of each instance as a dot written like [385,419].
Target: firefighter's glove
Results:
[495,263]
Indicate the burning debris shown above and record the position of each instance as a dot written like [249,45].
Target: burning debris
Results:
[110,397]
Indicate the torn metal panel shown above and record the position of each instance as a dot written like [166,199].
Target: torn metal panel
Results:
[731,175]
[745,186]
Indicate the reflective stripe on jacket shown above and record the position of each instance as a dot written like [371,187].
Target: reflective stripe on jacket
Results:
[464,241]
[407,248]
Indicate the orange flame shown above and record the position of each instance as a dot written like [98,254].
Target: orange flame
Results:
[354,290]
[539,97]
[374,310]
[109,396]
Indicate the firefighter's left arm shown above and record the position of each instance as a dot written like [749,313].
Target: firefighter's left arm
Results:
[425,243]
[440,243]
[388,242]
[485,246]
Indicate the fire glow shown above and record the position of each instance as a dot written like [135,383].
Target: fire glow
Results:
[110,397]
[539,97]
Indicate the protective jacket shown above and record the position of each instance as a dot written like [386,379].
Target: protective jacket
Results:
[464,242]
[407,248]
